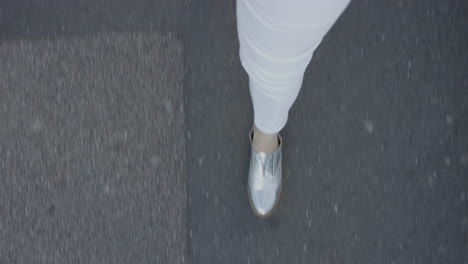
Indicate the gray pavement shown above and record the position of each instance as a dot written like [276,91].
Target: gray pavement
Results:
[92,150]
[376,148]
[374,151]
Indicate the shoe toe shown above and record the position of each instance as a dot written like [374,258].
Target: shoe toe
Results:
[263,200]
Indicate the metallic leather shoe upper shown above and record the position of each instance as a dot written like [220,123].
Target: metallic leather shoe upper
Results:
[265,179]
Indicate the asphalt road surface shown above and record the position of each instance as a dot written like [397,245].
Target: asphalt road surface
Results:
[124,137]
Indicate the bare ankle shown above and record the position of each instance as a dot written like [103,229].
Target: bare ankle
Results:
[263,142]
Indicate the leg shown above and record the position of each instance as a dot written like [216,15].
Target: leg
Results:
[277,40]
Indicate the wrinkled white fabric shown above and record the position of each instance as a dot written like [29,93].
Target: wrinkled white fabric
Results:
[277,40]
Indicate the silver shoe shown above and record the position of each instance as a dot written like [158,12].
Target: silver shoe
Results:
[264,185]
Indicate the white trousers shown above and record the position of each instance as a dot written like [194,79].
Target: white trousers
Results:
[277,40]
